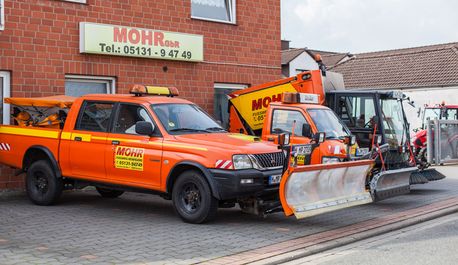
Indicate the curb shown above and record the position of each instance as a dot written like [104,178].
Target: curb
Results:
[311,244]
[301,253]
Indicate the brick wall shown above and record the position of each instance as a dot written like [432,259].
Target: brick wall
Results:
[40,45]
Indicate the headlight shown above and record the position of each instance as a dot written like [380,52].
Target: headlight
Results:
[241,162]
[330,160]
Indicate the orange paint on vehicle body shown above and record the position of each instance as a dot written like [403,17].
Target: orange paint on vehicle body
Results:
[90,155]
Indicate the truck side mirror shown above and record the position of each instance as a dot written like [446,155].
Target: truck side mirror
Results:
[144,128]
[306,130]
[319,137]
[418,112]
[349,140]
[283,139]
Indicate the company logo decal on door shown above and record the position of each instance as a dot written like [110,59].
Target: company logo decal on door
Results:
[129,158]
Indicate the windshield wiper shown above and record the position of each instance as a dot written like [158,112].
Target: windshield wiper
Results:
[188,129]
[215,129]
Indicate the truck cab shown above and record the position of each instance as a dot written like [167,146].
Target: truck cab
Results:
[269,109]
[310,119]
[440,112]
[149,141]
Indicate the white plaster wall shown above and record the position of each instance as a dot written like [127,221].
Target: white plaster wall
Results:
[302,62]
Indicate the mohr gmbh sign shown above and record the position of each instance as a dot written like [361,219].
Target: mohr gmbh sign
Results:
[138,42]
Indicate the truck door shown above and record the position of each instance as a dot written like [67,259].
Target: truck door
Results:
[131,158]
[88,140]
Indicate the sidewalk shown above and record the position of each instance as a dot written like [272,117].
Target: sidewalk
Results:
[142,229]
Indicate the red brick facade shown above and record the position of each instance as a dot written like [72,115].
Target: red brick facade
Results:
[40,45]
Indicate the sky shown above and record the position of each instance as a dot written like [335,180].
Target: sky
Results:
[368,25]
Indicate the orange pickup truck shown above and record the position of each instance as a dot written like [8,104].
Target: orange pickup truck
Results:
[155,144]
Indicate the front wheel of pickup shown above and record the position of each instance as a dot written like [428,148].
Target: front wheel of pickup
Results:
[192,198]
[42,185]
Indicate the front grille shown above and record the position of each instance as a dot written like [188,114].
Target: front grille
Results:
[270,160]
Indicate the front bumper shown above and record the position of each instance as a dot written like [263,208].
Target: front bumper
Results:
[229,187]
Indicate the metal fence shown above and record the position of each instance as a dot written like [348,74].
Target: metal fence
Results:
[442,141]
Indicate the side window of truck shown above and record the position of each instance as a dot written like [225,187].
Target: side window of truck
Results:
[95,116]
[128,116]
[282,121]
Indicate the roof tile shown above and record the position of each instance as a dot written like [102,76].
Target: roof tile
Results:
[426,66]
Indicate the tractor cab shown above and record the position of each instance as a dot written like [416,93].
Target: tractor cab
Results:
[375,118]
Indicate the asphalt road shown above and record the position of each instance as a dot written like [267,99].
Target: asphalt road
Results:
[432,242]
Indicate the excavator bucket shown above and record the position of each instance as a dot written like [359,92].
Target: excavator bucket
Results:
[315,189]
[391,183]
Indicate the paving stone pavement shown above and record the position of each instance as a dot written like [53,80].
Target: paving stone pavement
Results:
[143,229]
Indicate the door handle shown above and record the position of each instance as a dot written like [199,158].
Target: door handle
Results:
[115,142]
[77,138]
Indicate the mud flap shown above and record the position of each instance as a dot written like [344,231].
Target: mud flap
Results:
[391,183]
[315,189]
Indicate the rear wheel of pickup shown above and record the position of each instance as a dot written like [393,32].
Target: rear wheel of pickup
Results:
[192,198]
[108,193]
[42,185]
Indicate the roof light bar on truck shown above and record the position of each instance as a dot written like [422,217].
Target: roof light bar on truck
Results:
[142,90]
[303,98]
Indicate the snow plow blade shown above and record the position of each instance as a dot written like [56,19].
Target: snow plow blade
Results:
[391,183]
[315,189]
[426,175]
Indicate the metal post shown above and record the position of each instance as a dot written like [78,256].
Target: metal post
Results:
[429,142]
[437,143]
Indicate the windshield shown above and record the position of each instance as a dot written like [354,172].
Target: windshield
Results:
[451,114]
[393,122]
[438,113]
[431,114]
[326,121]
[185,118]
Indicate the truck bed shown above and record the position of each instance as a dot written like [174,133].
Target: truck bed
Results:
[17,140]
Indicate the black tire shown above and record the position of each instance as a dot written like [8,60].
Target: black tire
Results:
[192,198]
[108,193]
[42,185]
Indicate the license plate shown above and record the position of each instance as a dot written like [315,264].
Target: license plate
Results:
[361,151]
[275,179]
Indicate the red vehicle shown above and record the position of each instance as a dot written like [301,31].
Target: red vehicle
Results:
[441,112]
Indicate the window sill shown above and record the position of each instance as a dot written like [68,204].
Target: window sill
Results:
[214,20]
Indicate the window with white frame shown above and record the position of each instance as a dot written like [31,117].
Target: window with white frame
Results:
[4,93]
[214,10]
[79,85]
[2,14]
